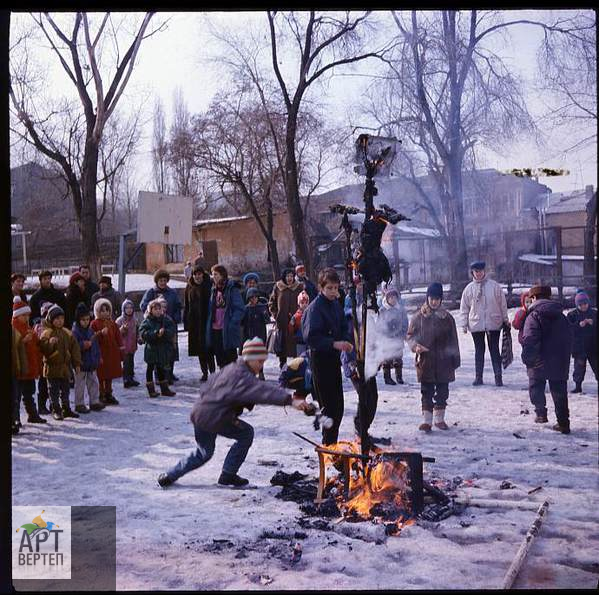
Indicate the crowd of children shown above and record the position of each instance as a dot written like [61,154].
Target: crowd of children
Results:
[66,343]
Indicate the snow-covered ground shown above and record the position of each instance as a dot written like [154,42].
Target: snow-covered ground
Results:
[133,281]
[196,535]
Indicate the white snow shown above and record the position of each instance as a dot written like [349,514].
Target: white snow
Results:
[113,457]
[133,281]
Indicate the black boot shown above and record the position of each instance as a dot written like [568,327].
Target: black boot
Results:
[109,399]
[578,388]
[498,380]
[563,427]
[32,414]
[387,376]
[165,391]
[134,382]
[232,479]
[478,381]
[41,405]
[164,480]
[56,411]
[68,412]
[398,373]
[151,390]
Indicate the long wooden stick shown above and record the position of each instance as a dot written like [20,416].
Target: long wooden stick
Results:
[489,503]
[516,565]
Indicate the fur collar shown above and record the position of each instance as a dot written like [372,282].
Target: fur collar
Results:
[281,285]
[427,311]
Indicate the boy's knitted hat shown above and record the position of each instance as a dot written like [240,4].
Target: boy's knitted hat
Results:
[254,350]
[248,276]
[99,303]
[19,307]
[580,298]
[45,307]
[251,292]
[435,290]
[81,310]
[479,265]
[54,312]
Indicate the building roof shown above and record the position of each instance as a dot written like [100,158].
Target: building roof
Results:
[550,259]
[567,202]
[202,222]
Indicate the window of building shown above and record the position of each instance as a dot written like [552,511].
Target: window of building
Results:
[174,253]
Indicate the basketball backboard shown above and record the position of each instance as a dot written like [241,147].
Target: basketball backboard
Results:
[164,218]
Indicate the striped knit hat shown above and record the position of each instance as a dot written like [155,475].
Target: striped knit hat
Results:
[54,312]
[19,307]
[254,349]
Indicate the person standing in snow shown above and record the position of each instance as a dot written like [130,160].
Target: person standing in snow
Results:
[250,281]
[584,325]
[255,319]
[520,316]
[392,324]
[295,325]
[74,295]
[432,336]
[546,349]
[46,293]
[130,334]
[483,311]
[91,286]
[309,287]
[108,292]
[216,413]
[39,326]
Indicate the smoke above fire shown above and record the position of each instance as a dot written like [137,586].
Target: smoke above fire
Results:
[379,347]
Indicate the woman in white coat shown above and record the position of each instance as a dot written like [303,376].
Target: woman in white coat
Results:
[483,311]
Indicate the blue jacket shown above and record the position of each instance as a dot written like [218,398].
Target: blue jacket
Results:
[309,287]
[585,338]
[234,311]
[90,358]
[323,323]
[173,303]
[254,321]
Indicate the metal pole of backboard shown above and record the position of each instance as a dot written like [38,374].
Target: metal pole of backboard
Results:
[122,245]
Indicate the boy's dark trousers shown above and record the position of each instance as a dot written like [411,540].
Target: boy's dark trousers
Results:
[42,394]
[128,367]
[434,395]
[223,356]
[160,373]
[59,393]
[559,393]
[27,390]
[207,362]
[479,352]
[580,367]
[328,389]
[238,430]
[372,398]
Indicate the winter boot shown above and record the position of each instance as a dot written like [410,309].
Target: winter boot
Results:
[103,399]
[56,411]
[110,399]
[165,391]
[134,382]
[398,373]
[541,418]
[232,479]
[564,428]
[67,411]
[426,425]
[478,381]
[387,376]
[82,409]
[151,390]
[498,380]
[128,384]
[97,406]
[41,405]
[32,414]
[439,419]
[578,388]
[164,480]
[204,377]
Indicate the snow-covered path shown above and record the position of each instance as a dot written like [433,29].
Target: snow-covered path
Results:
[166,538]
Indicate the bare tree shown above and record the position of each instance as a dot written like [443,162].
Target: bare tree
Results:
[159,149]
[233,142]
[83,48]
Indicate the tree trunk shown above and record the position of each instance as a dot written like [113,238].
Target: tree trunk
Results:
[296,214]
[589,272]
[88,224]
[455,220]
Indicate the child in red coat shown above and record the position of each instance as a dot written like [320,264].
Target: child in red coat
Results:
[111,349]
[295,324]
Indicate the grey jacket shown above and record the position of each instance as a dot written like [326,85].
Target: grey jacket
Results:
[227,392]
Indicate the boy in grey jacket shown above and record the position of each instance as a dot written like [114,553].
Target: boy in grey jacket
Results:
[217,410]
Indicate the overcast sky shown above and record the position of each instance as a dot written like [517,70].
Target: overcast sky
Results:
[178,57]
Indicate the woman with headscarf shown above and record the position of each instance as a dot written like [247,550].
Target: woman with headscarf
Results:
[283,305]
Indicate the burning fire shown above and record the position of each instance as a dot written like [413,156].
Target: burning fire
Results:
[382,494]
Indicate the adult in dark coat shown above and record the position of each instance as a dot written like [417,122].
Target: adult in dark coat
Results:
[46,293]
[326,333]
[546,349]
[432,336]
[195,318]
[283,305]
[90,286]
[74,295]
[112,295]
[584,347]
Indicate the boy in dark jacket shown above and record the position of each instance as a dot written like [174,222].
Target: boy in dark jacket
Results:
[546,348]
[157,332]
[255,318]
[46,293]
[584,346]
[90,360]
[217,410]
[432,336]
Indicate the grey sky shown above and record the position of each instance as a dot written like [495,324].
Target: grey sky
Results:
[178,57]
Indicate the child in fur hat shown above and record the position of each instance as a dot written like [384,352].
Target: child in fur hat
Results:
[90,360]
[111,349]
[584,347]
[130,332]
[28,375]
[61,354]
[432,336]
[157,331]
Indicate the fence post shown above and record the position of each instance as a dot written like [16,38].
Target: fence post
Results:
[559,265]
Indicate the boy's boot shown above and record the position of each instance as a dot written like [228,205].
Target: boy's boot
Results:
[97,406]
[439,419]
[578,388]
[387,375]
[56,411]
[41,404]
[33,416]
[564,429]
[110,399]
[426,425]
[478,381]
[66,409]
[398,372]
[232,479]
[127,383]
[165,391]
[82,409]
[498,380]
[151,390]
